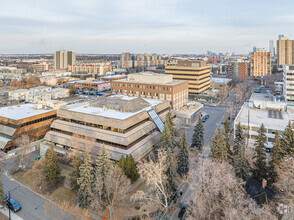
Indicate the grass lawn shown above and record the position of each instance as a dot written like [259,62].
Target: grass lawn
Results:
[59,194]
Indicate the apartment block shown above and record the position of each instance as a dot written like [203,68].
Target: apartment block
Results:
[285,50]
[288,83]
[129,60]
[37,94]
[155,86]
[197,73]
[99,69]
[63,58]
[260,63]
[239,69]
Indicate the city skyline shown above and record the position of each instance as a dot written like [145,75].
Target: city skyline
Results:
[188,27]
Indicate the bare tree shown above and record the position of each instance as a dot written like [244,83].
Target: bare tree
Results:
[218,194]
[285,182]
[24,144]
[117,184]
[156,195]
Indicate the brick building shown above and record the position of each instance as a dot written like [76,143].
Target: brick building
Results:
[155,86]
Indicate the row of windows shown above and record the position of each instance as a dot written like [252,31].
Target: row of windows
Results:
[186,70]
[103,141]
[28,123]
[143,86]
[25,133]
[197,75]
[38,120]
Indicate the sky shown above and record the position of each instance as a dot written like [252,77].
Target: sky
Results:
[142,26]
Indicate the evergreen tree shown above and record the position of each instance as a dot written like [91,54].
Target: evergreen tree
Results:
[183,157]
[165,139]
[198,136]
[277,156]
[75,174]
[2,201]
[103,164]
[52,170]
[277,150]
[239,141]
[171,185]
[219,150]
[171,125]
[287,140]
[85,182]
[261,170]
[131,169]
[241,164]
[227,135]
[122,163]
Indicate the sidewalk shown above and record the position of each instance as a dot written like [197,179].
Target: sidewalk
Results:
[13,215]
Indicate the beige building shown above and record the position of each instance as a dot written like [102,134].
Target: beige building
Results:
[38,94]
[129,60]
[123,125]
[197,73]
[155,86]
[63,58]
[260,63]
[285,50]
[94,68]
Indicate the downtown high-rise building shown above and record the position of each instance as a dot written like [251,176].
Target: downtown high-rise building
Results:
[280,36]
[63,58]
[260,63]
[271,48]
[285,50]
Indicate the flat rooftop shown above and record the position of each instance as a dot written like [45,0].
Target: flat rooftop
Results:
[18,112]
[220,80]
[173,83]
[87,108]
[276,120]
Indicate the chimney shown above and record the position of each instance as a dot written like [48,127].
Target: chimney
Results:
[263,183]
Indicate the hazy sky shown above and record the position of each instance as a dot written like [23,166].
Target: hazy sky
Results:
[159,26]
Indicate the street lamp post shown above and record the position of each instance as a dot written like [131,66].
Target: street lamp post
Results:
[9,193]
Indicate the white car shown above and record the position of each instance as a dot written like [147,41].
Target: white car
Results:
[212,105]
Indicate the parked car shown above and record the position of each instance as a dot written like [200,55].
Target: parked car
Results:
[206,116]
[203,119]
[13,205]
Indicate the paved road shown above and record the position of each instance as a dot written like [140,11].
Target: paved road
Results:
[31,202]
[214,120]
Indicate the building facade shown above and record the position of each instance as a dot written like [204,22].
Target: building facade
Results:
[285,50]
[239,69]
[90,87]
[263,108]
[99,69]
[129,60]
[260,63]
[197,73]
[123,125]
[63,58]
[155,86]
[272,48]
[288,85]
[37,94]
[26,119]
